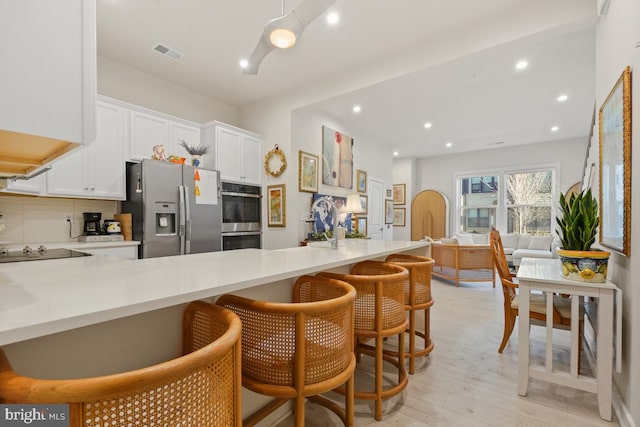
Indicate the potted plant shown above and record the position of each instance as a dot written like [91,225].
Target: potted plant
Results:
[196,151]
[578,224]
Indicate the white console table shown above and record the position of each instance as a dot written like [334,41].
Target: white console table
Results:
[544,275]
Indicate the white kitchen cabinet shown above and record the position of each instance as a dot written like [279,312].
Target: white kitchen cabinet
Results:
[183,132]
[35,186]
[145,132]
[98,171]
[148,129]
[237,153]
[48,83]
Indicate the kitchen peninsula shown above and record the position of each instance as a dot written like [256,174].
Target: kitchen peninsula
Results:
[75,310]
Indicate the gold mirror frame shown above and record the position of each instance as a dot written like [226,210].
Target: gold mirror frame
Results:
[615,158]
[275,153]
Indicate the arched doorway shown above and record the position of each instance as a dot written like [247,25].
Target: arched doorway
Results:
[429,213]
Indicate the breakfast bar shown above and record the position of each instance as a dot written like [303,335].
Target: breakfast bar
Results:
[78,299]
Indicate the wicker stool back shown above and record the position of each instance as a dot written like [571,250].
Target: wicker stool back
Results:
[379,313]
[201,388]
[298,350]
[417,296]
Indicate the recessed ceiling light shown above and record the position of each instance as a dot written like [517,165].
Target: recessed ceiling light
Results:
[244,63]
[521,65]
[427,125]
[357,108]
[555,129]
[562,98]
[448,144]
[395,153]
[333,18]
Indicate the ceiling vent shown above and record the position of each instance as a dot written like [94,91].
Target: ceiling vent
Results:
[167,51]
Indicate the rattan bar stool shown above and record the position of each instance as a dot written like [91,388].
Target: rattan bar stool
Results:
[301,349]
[379,313]
[417,296]
[201,388]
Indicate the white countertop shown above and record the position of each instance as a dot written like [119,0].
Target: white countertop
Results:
[39,298]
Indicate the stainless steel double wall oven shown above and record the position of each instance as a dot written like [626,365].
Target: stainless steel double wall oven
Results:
[241,216]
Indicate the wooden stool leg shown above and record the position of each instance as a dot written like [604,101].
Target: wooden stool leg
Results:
[378,379]
[299,411]
[349,402]
[412,341]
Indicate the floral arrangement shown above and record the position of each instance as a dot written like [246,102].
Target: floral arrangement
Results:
[194,150]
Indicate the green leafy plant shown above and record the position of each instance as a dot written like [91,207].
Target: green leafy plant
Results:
[578,222]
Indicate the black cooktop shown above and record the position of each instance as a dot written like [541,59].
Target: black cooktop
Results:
[19,255]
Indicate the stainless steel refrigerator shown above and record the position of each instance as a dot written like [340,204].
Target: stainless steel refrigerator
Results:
[176,209]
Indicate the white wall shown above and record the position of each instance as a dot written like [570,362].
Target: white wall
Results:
[617,34]
[306,135]
[404,172]
[437,173]
[122,82]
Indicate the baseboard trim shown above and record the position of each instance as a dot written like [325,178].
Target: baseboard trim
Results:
[621,410]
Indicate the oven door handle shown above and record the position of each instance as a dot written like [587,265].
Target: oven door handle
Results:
[247,195]
[242,233]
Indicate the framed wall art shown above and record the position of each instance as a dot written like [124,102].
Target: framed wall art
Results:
[399,194]
[364,201]
[615,166]
[337,158]
[362,225]
[399,216]
[388,211]
[277,202]
[323,214]
[361,181]
[307,172]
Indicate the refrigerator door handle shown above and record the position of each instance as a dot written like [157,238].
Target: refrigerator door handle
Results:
[187,203]
[182,213]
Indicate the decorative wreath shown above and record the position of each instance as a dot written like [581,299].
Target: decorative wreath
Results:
[276,152]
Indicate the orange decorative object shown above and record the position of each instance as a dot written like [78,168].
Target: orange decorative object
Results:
[196,176]
[177,159]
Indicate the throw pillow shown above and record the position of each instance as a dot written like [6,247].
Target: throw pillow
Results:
[542,243]
[464,239]
[523,241]
[480,238]
[509,241]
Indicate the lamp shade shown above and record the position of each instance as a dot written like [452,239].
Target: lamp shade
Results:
[353,203]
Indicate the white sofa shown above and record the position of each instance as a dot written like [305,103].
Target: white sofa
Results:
[518,246]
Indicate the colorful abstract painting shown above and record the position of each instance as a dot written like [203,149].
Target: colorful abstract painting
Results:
[337,158]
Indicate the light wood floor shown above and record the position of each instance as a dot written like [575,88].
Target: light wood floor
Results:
[466,382]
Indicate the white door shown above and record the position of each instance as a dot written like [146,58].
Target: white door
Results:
[375,210]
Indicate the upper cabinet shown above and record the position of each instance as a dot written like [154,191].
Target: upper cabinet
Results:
[148,129]
[237,153]
[48,84]
[97,171]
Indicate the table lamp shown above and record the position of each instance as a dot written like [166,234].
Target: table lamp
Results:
[355,207]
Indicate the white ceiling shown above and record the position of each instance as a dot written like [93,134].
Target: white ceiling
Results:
[473,101]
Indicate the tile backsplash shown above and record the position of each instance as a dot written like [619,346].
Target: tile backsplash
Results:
[43,220]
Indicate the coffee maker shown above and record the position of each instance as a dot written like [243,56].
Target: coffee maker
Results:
[92,223]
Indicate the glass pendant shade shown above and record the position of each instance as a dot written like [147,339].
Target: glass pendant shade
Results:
[282,38]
